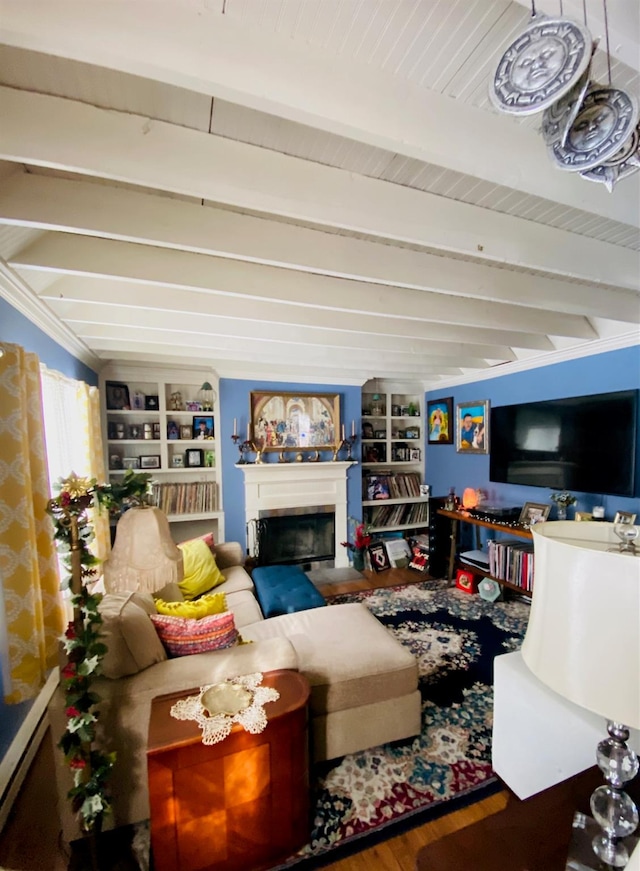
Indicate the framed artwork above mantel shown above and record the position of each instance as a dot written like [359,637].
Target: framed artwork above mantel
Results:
[294,421]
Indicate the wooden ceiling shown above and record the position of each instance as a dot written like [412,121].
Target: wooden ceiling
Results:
[314,190]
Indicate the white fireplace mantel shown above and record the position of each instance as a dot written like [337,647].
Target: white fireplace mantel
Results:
[271,486]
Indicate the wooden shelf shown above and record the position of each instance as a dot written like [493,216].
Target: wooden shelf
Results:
[464,517]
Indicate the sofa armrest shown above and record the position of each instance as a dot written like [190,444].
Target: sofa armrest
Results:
[228,553]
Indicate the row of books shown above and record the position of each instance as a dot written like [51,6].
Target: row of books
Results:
[196,497]
[399,515]
[392,485]
[512,561]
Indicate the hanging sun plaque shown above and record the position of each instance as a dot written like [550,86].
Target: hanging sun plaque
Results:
[541,65]
[623,163]
[605,122]
[558,118]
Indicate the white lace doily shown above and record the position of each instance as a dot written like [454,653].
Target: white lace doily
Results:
[251,717]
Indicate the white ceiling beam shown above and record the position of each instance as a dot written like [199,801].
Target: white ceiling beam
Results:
[64,253]
[198,48]
[52,132]
[116,213]
[80,289]
[268,351]
[212,356]
[228,330]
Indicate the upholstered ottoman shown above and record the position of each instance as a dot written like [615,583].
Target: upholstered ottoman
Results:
[364,683]
[284,589]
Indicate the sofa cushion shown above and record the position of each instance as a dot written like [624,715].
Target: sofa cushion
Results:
[245,608]
[204,606]
[183,635]
[201,573]
[348,656]
[236,579]
[131,639]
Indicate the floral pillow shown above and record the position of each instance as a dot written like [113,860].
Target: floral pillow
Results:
[182,636]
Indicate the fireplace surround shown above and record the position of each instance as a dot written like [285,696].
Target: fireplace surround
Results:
[271,487]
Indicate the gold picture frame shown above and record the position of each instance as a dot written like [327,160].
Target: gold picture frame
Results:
[295,421]
[534,512]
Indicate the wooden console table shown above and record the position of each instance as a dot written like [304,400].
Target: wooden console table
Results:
[463,517]
[241,803]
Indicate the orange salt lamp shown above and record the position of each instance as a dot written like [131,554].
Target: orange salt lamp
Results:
[469,498]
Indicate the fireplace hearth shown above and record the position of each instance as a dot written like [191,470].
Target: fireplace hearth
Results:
[295,537]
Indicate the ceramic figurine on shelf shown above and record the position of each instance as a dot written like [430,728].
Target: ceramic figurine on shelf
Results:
[176,401]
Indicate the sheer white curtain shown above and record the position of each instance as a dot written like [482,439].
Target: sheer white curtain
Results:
[74,441]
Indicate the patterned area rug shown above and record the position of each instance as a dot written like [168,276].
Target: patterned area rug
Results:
[455,637]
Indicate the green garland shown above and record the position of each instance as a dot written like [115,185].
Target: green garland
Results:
[82,641]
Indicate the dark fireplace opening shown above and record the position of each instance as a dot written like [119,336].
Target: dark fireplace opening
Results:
[295,537]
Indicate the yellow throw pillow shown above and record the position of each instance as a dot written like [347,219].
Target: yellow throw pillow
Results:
[212,603]
[201,573]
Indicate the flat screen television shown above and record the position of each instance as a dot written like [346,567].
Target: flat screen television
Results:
[583,443]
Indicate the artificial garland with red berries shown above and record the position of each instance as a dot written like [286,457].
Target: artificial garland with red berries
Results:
[82,641]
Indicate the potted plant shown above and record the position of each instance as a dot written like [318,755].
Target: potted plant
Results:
[563,500]
[358,547]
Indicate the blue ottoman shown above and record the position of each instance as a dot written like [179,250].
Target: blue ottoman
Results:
[284,589]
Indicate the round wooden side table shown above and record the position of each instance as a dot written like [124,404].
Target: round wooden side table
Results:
[241,803]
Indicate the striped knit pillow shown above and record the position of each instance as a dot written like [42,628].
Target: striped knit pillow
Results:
[184,635]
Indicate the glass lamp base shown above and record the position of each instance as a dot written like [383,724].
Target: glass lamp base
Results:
[581,854]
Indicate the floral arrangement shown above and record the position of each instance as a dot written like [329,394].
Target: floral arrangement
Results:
[82,640]
[563,499]
[361,539]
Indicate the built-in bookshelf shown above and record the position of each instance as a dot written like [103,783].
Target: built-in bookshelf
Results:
[164,423]
[392,458]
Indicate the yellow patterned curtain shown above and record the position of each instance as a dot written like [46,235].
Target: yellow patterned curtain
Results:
[30,585]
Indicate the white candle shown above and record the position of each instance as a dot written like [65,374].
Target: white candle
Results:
[248,432]
[342,432]
[235,426]
[353,427]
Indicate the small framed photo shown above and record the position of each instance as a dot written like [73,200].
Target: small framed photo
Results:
[367,431]
[186,431]
[151,403]
[150,461]
[209,459]
[115,461]
[379,557]
[156,429]
[412,432]
[194,457]
[534,512]
[135,431]
[177,461]
[173,430]
[117,396]
[625,517]
[130,463]
[466,581]
[472,427]
[194,405]
[203,427]
[415,455]
[440,421]
[138,401]
[381,434]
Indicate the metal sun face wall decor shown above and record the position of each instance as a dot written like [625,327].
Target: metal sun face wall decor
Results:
[588,127]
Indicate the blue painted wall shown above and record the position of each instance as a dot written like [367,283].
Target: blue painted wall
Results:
[600,373]
[234,403]
[17,329]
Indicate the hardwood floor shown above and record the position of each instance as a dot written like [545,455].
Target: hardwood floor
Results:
[31,840]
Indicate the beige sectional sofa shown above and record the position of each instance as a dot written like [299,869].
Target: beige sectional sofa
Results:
[364,683]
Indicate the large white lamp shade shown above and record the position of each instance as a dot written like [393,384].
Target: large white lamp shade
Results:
[144,556]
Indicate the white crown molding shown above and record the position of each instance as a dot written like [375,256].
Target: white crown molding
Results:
[549,358]
[24,300]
